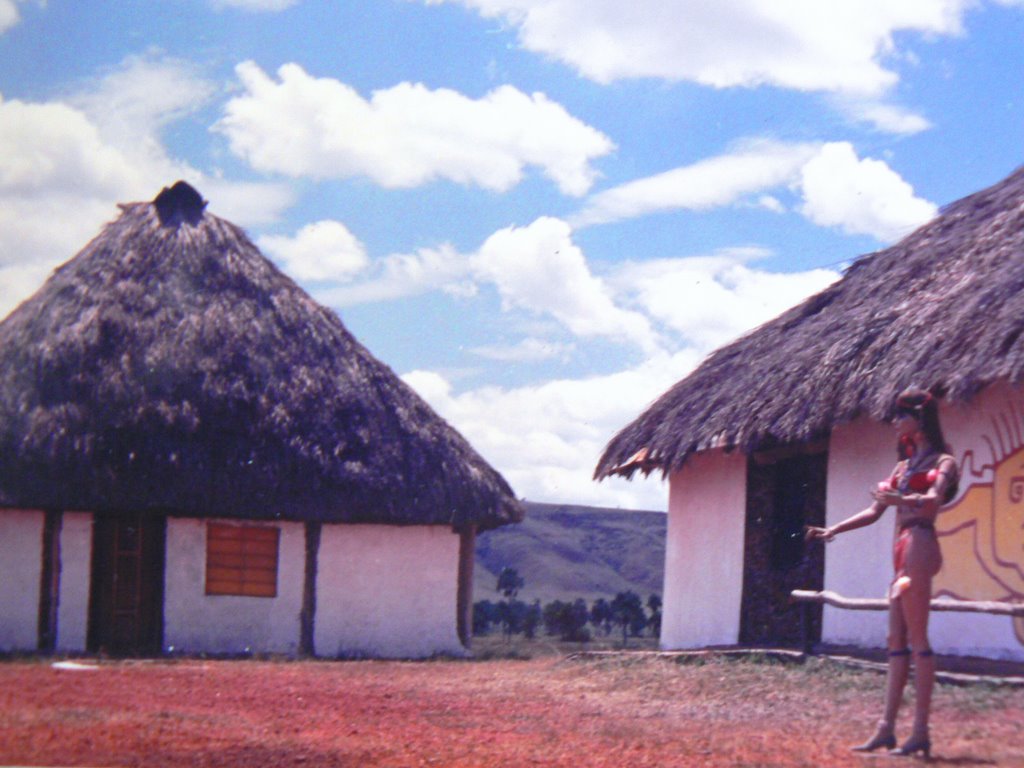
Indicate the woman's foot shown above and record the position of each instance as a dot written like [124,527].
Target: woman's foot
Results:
[883,738]
[916,743]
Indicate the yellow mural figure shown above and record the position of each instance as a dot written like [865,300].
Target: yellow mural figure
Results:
[982,533]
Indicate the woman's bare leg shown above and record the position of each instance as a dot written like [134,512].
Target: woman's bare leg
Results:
[895,682]
[916,603]
[899,662]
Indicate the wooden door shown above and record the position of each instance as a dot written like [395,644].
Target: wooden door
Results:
[782,497]
[126,601]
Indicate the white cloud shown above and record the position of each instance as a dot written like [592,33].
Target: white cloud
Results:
[407,274]
[255,5]
[546,439]
[528,350]
[407,135]
[324,250]
[710,300]
[889,118]
[53,145]
[540,269]
[9,15]
[711,183]
[58,183]
[536,268]
[133,102]
[860,196]
[770,203]
[71,161]
[808,45]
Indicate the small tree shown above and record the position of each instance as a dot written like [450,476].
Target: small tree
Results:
[628,613]
[532,620]
[510,582]
[511,612]
[578,616]
[654,622]
[567,620]
[485,613]
[601,615]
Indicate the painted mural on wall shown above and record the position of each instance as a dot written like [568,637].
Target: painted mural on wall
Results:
[982,532]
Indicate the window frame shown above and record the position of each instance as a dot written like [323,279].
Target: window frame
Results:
[242,560]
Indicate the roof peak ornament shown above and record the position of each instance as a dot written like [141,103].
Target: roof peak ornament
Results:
[179,203]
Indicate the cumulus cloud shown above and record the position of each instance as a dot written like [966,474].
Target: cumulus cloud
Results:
[9,15]
[837,46]
[54,167]
[860,196]
[837,189]
[324,250]
[546,439]
[406,274]
[540,269]
[71,161]
[710,183]
[708,301]
[407,135]
[133,102]
[536,269]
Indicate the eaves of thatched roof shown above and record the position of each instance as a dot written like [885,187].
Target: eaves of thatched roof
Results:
[170,368]
[941,309]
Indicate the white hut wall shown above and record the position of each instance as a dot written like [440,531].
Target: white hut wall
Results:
[21,562]
[75,569]
[197,622]
[980,532]
[858,563]
[387,591]
[704,552]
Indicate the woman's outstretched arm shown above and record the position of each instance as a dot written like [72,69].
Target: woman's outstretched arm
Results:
[859,520]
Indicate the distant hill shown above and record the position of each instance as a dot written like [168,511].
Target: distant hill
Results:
[564,552]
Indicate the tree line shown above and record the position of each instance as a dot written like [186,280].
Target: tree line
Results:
[570,621]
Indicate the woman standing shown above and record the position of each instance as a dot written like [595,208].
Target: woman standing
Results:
[925,478]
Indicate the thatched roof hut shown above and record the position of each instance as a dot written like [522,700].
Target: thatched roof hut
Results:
[943,309]
[170,368]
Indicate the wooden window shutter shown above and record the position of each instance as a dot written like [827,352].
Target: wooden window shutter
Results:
[241,560]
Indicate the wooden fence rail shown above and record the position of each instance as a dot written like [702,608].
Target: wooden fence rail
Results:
[825,597]
[871,604]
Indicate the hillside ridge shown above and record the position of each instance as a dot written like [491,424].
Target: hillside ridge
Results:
[565,551]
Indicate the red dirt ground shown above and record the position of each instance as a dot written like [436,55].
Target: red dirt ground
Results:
[544,712]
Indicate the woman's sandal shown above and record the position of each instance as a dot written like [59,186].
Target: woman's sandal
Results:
[883,738]
[913,745]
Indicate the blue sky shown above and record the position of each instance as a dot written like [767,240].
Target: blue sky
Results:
[540,213]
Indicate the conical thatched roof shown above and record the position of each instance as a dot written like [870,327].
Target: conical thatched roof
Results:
[170,367]
[942,309]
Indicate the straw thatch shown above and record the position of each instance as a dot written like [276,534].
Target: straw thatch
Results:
[942,309]
[170,368]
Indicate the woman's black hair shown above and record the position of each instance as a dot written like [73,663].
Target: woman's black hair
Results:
[923,406]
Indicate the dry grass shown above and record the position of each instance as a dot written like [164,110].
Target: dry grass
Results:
[625,710]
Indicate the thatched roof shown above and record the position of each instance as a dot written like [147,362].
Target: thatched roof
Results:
[941,309]
[170,367]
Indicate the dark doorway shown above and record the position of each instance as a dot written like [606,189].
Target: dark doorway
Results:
[126,598]
[784,493]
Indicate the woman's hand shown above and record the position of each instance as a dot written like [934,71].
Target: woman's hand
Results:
[887,496]
[814,533]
